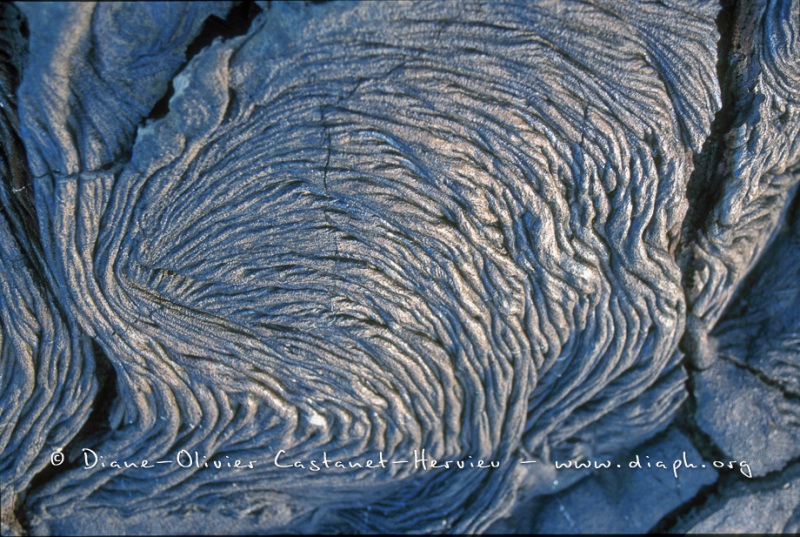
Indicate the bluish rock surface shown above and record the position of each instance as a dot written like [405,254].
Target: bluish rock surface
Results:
[238,240]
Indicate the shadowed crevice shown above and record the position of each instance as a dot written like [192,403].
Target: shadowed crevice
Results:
[676,516]
[18,199]
[679,519]
[97,426]
[237,23]
[714,498]
[703,189]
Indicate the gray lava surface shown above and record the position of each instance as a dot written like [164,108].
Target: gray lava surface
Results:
[395,267]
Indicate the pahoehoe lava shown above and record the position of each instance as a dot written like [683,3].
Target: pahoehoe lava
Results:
[469,228]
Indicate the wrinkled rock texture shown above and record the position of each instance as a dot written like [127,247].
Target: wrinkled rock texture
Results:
[506,231]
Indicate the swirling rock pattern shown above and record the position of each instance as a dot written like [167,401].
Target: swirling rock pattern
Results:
[369,228]
[759,166]
[46,374]
[752,349]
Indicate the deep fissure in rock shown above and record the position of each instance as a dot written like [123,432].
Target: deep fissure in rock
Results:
[703,188]
[237,23]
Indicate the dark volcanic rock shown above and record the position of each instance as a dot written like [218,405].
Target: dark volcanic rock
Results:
[364,231]
[631,499]
[759,361]
[751,183]
[46,378]
[768,506]
[385,228]
[755,344]
[759,425]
